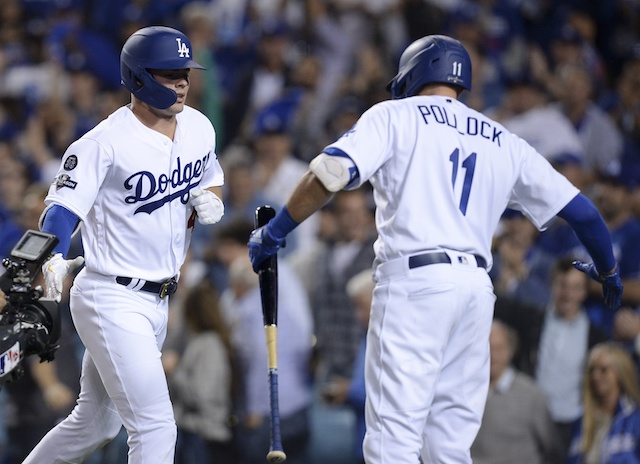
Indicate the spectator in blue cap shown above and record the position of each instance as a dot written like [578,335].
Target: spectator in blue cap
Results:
[276,168]
[601,139]
[76,47]
[572,165]
[262,81]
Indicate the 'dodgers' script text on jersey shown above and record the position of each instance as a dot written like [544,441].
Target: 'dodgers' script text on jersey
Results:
[134,183]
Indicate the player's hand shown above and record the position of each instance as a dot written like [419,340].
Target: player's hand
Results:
[209,207]
[262,245]
[55,270]
[611,283]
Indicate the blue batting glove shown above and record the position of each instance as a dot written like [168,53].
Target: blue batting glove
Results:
[262,245]
[611,283]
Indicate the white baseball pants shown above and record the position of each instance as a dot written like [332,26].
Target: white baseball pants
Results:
[122,381]
[427,362]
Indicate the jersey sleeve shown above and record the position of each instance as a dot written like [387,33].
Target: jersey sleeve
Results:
[367,143]
[540,191]
[82,171]
[213,175]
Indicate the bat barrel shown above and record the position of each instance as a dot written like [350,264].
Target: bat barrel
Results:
[268,279]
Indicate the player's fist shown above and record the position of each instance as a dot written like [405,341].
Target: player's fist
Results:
[611,283]
[262,245]
[209,207]
[55,270]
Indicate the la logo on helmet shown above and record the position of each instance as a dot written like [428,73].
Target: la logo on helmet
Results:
[183,50]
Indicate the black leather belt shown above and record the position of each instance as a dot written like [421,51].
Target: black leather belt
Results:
[439,257]
[162,289]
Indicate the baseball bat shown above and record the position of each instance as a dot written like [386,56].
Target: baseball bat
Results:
[268,278]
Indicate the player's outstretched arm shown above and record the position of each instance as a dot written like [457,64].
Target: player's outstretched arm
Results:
[307,198]
[591,230]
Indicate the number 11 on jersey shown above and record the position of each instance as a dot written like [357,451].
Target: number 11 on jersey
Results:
[469,164]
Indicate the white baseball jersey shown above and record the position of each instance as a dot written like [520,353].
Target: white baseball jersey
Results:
[130,186]
[443,174]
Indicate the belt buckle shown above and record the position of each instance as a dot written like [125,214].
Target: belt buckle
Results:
[168,288]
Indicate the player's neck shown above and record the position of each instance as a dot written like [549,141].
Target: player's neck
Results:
[439,90]
[158,120]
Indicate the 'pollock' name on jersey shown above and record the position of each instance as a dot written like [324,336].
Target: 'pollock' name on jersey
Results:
[472,126]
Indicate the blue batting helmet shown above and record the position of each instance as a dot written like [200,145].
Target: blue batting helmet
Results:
[154,47]
[431,59]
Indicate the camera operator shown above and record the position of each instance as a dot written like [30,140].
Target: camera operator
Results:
[43,395]
[43,392]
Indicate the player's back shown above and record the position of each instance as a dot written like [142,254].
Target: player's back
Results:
[444,174]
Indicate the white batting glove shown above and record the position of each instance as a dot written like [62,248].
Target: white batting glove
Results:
[55,270]
[209,207]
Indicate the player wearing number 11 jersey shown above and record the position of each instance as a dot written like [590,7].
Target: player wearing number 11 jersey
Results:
[442,175]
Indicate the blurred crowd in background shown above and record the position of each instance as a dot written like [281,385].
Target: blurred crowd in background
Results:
[283,79]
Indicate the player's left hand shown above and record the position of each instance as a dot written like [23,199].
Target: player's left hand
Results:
[55,270]
[262,245]
[209,207]
[611,283]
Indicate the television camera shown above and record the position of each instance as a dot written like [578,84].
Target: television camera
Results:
[29,323]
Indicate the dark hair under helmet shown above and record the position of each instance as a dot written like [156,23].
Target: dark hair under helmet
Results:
[154,47]
[431,59]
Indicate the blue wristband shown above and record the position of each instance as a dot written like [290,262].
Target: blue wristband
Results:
[280,226]
[60,222]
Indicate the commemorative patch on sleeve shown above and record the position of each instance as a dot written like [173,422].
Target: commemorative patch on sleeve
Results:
[63,180]
[70,163]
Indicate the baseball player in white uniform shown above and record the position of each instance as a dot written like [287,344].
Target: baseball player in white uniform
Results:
[442,175]
[134,186]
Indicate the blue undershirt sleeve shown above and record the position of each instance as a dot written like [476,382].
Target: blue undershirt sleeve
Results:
[589,227]
[60,222]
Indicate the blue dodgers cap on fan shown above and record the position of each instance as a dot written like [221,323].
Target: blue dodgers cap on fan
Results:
[566,158]
[276,117]
[348,104]
[617,174]
[271,120]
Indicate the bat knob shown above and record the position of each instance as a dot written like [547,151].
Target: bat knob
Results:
[276,457]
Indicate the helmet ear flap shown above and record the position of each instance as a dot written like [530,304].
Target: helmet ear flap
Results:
[154,93]
[129,78]
[144,87]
